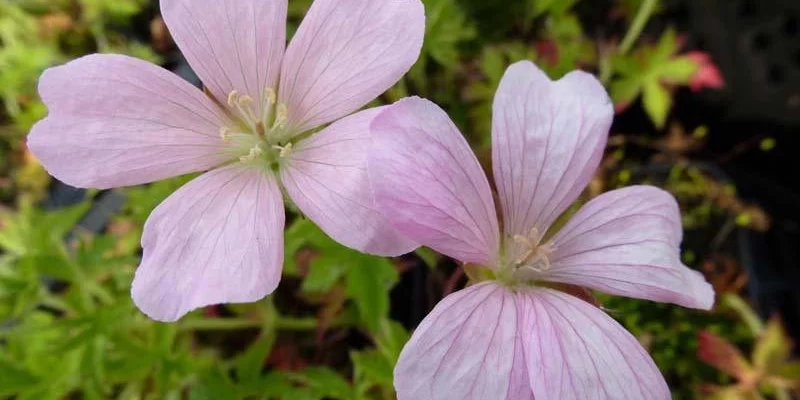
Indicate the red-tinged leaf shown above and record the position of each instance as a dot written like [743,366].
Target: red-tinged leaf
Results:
[720,354]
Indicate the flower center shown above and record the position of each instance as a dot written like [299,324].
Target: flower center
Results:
[531,258]
[259,133]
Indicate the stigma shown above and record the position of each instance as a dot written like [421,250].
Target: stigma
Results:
[536,255]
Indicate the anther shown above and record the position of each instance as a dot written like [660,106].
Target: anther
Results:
[254,152]
[284,151]
[269,96]
[281,116]
[225,133]
[232,96]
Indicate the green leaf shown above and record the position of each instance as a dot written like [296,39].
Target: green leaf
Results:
[666,47]
[13,378]
[677,71]
[368,282]
[323,273]
[657,102]
[772,348]
[214,385]
[789,371]
[251,363]
[324,382]
[624,91]
[391,339]
[373,367]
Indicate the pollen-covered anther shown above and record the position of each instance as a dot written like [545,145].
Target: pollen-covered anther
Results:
[269,96]
[252,155]
[281,116]
[225,133]
[283,151]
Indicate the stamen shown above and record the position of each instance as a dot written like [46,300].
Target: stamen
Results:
[536,253]
[281,115]
[270,97]
[232,96]
[225,133]
[284,150]
[254,152]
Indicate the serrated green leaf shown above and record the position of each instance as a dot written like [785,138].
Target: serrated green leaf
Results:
[324,382]
[372,367]
[657,102]
[323,274]
[368,282]
[14,379]
[666,47]
[677,70]
[391,339]
[772,348]
[250,364]
[215,385]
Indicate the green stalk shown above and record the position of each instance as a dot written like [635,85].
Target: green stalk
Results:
[646,10]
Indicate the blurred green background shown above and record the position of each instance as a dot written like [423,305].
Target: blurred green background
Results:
[334,328]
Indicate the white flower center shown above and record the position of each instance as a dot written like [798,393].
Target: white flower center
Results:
[532,257]
[259,133]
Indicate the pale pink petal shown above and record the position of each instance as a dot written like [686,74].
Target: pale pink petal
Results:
[548,138]
[326,176]
[345,54]
[574,351]
[489,342]
[116,121]
[429,184]
[230,44]
[626,242]
[218,239]
[464,350]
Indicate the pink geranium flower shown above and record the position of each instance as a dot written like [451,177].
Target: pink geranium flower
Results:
[514,336]
[116,121]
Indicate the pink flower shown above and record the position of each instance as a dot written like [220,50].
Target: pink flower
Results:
[707,75]
[117,121]
[514,336]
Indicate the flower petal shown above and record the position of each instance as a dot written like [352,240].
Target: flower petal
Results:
[116,121]
[218,239]
[626,242]
[547,140]
[429,184]
[345,54]
[230,44]
[464,349]
[487,342]
[576,351]
[326,176]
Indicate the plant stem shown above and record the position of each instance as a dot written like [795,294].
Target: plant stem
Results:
[639,21]
[280,323]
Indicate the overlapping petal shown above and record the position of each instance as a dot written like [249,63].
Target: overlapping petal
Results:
[218,239]
[116,121]
[326,176]
[625,242]
[345,54]
[429,184]
[547,140]
[486,342]
[230,44]
[464,349]
[574,351]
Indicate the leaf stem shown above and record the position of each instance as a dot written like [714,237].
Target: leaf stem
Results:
[646,10]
